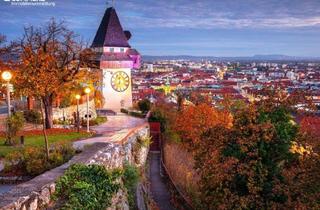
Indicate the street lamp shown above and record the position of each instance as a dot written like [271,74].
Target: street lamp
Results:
[87,90]
[78,115]
[7,76]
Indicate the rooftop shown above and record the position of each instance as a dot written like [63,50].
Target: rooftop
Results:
[110,32]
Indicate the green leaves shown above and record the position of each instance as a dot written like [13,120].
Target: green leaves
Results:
[87,187]
[244,165]
[15,123]
[144,105]
[130,179]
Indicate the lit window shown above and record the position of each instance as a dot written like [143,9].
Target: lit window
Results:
[112,49]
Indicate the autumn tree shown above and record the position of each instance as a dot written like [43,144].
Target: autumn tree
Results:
[251,165]
[303,185]
[52,59]
[192,121]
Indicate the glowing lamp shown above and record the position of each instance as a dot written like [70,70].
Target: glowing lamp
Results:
[87,90]
[78,96]
[6,76]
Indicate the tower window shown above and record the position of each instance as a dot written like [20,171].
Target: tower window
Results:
[121,49]
[112,49]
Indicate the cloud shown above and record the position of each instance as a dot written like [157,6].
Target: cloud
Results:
[199,14]
[209,14]
[210,23]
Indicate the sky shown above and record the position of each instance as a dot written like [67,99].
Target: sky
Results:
[185,27]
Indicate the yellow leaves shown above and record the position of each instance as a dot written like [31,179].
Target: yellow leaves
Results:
[301,150]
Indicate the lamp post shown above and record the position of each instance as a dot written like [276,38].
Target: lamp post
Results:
[87,90]
[6,76]
[78,116]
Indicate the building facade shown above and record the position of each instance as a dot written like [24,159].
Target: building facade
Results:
[116,60]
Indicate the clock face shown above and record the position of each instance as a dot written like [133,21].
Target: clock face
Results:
[120,81]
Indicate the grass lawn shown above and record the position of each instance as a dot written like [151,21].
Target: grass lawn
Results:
[38,140]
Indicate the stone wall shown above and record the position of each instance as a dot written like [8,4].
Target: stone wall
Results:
[59,113]
[36,193]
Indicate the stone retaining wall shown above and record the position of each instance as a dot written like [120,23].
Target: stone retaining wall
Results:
[36,193]
[67,113]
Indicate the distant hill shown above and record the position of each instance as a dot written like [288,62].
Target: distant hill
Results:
[245,58]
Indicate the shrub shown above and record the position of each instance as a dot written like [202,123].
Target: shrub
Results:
[32,161]
[124,111]
[130,180]
[65,149]
[137,114]
[133,113]
[87,187]
[141,142]
[35,161]
[15,123]
[157,115]
[63,122]
[32,116]
[96,121]
[144,105]
[144,141]
[99,120]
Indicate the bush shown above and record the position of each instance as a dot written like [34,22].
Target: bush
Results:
[144,141]
[137,114]
[133,113]
[87,187]
[63,122]
[32,116]
[130,180]
[32,161]
[157,115]
[124,111]
[15,123]
[96,121]
[99,120]
[144,105]
[141,142]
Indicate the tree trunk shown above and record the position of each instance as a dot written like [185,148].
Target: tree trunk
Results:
[44,132]
[48,110]
[30,103]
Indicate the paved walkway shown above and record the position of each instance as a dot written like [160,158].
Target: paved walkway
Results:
[5,188]
[114,130]
[159,190]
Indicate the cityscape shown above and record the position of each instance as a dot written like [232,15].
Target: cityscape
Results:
[159,105]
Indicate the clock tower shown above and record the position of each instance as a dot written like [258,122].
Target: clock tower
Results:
[116,59]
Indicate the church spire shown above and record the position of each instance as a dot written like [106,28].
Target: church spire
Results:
[110,32]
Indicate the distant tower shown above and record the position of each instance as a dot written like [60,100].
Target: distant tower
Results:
[116,59]
[167,87]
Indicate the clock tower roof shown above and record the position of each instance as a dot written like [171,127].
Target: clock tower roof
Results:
[110,32]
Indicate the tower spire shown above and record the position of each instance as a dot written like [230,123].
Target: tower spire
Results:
[112,3]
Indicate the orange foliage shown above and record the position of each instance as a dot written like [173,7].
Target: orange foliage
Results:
[311,124]
[192,121]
